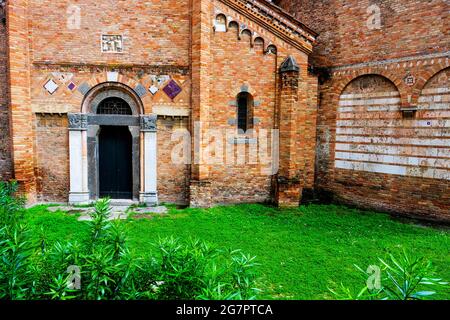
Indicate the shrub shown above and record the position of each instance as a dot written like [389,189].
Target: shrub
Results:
[404,278]
[107,270]
[196,270]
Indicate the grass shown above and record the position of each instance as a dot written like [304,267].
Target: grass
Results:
[302,252]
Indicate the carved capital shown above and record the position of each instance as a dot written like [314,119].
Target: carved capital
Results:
[148,123]
[78,121]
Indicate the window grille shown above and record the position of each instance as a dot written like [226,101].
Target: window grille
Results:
[114,106]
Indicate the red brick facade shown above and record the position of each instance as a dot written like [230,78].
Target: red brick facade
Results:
[373,133]
[5,140]
[370,153]
[58,62]
[52,157]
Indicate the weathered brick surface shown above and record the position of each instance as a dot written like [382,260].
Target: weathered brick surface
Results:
[368,154]
[5,140]
[52,158]
[389,164]
[22,132]
[408,28]
[155,32]
[236,61]
[173,178]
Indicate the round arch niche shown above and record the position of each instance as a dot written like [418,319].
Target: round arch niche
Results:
[106,90]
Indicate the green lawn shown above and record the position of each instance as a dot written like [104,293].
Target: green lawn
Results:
[301,251]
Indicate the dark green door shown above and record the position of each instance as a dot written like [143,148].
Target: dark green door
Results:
[115,162]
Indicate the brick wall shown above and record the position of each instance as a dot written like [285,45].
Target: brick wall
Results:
[238,61]
[233,67]
[407,28]
[173,177]
[52,158]
[154,32]
[368,153]
[387,162]
[5,146]
[156,45]
[22,118]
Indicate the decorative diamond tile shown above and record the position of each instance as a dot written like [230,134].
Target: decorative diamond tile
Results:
[71,86]
[153,90]
[51,86]
[140,90]
[172,89]
[84,88]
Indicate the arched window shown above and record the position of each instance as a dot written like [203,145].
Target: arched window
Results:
[115,106]
[244,111]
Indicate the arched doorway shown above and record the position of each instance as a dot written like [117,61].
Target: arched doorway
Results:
[112,147]
[115,153]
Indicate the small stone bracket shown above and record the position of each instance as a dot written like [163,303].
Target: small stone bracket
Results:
[409,113]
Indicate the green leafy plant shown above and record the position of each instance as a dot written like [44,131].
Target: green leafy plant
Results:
[15,245]
[107,269]
[406,277]
[197,270]
[99,224]
[59,289]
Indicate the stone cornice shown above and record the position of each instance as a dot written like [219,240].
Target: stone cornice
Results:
[277,21]
[170,69]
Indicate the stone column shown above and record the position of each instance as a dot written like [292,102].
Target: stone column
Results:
[149,190]
[287,193]
[79,191]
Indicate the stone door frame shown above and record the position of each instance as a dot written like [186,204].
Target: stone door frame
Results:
[84,130]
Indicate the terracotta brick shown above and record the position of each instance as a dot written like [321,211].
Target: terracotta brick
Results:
[183,41]
[413,41]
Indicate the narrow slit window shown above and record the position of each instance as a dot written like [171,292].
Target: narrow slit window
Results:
[244,112]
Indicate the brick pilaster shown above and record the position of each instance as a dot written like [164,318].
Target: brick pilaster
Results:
[22,131]
[201,103]
[287,193]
